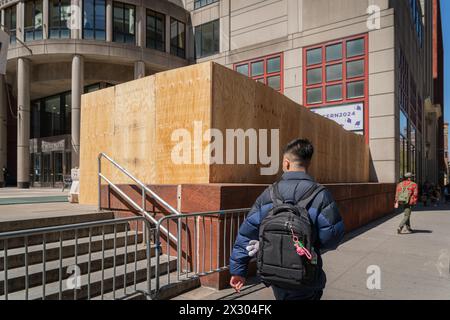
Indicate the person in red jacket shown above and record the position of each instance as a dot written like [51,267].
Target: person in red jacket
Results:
[409,188]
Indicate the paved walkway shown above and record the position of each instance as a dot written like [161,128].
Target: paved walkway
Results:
[16,204]
[413,266]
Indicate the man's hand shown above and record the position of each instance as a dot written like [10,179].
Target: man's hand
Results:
[396,205]
[237,283]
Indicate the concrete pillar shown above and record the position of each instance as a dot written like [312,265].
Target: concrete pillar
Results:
[139,69]
[23,123]
[76,19]
[109,20]
[3,19]
[140,26]
[3,141]
[77,91]
[167,33]
[20,19]
[45,9]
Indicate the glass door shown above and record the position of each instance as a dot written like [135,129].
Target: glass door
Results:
[47,170]
[58,168]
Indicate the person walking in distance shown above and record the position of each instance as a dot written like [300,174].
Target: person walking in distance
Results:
[290,222]
[406,198]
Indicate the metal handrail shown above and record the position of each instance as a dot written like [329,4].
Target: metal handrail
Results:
[145,190]
[27,235]
[222,213]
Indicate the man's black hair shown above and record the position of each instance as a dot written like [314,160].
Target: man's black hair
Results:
[300,151]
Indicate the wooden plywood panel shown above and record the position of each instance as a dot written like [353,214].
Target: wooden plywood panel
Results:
[134,130]
[135,123]
[242,103]
[97,133]
[183,96]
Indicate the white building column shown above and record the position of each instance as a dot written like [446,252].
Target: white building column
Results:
[167,33]
[3,140]
[20,19]
[77,91]
[45,9]
[139,69]
[140,26]
[76,19]
[23,123]
[109,20]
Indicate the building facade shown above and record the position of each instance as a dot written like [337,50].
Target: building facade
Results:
[376,77]
[60,49]
[374,66]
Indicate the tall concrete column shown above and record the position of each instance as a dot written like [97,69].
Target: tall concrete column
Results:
[76,20]
[3,19]
[23,123]
[109,20]
[140,26]
[20,17]
[139,69]
[167,33]
[77,91]
[3,141]
[45,9]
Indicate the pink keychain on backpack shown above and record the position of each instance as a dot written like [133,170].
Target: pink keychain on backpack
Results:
[300,248]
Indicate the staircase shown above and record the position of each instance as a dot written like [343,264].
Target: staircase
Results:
[113,261]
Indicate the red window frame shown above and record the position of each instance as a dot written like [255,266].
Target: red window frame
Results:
[344,81]
[265,74]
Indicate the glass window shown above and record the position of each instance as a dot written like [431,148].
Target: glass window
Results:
[314,76]
[313,56]
[334,52]
[266,70]
[355,48]
[334,72]
[59,19]
[177,38]
[403,124]
[273,65]
[124,23]
[243,69]
[94,19]
[274,82]
[257,68]
[156,30]
[334,93]
[355,69]
[10,22]
[207,39]
[33,20]
[202,3]
[314,95]
[355,89]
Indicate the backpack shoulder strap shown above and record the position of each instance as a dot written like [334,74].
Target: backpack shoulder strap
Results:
[310,195]
[275,195]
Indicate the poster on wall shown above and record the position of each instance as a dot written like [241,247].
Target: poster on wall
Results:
[349,116]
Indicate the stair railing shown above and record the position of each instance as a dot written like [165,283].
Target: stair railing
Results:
[145,190]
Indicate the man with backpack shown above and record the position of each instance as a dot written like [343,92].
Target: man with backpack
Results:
[406,198]
[286,228]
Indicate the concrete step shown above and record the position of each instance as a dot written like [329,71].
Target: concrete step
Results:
[16,257]
[65,235]
[17,276]
[61,219]
[113,279]
[177,286]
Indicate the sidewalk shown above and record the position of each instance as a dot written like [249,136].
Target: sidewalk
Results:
[16,204]
[413,266]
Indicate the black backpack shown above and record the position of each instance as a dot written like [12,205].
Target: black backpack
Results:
[278,262]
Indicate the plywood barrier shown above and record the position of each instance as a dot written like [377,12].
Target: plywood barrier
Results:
[134,123]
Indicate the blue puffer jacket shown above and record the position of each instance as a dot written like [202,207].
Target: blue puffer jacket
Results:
[323,212]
